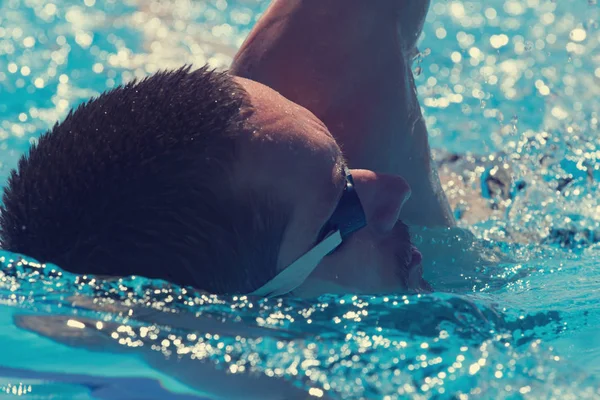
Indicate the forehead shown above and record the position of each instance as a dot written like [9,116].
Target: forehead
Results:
[286,141]
[274,115]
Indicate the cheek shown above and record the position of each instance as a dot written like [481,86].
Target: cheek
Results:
[374,265]
[361,265]
[346,265]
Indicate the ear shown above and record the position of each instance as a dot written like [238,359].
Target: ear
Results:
[72,331]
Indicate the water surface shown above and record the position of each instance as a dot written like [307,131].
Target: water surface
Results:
[510,90]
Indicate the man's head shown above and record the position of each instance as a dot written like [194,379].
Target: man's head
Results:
[206,180]
[292,155]
[139,181]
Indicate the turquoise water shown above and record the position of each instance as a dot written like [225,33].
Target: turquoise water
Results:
[513,87]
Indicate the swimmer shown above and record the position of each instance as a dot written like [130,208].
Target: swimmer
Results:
[297,171]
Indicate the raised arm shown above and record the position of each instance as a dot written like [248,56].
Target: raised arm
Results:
[348,61]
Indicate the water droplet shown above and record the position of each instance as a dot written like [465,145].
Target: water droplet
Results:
[418,57]
[528,45]
[591,24]
[514,121]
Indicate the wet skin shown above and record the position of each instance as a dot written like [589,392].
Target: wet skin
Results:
[343,87]
[348,62]
[292,154]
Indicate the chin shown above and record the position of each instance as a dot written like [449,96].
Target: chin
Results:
[414,282]
[423,287]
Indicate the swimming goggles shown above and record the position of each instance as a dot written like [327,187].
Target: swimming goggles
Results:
[348,217]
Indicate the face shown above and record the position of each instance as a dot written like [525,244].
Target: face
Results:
[292,154]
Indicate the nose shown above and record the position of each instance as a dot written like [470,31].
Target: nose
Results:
[382,197]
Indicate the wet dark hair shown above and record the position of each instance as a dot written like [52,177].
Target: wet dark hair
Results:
[139,181]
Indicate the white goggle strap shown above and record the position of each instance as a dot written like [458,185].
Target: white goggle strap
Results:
[297,272]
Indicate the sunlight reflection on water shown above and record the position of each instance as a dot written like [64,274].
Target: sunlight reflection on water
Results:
[516,83]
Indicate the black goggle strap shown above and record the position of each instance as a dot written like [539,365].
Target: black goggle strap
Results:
[349,216]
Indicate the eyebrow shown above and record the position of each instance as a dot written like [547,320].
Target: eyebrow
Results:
[341,165]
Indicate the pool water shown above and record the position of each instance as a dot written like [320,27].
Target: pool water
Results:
[511,93]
